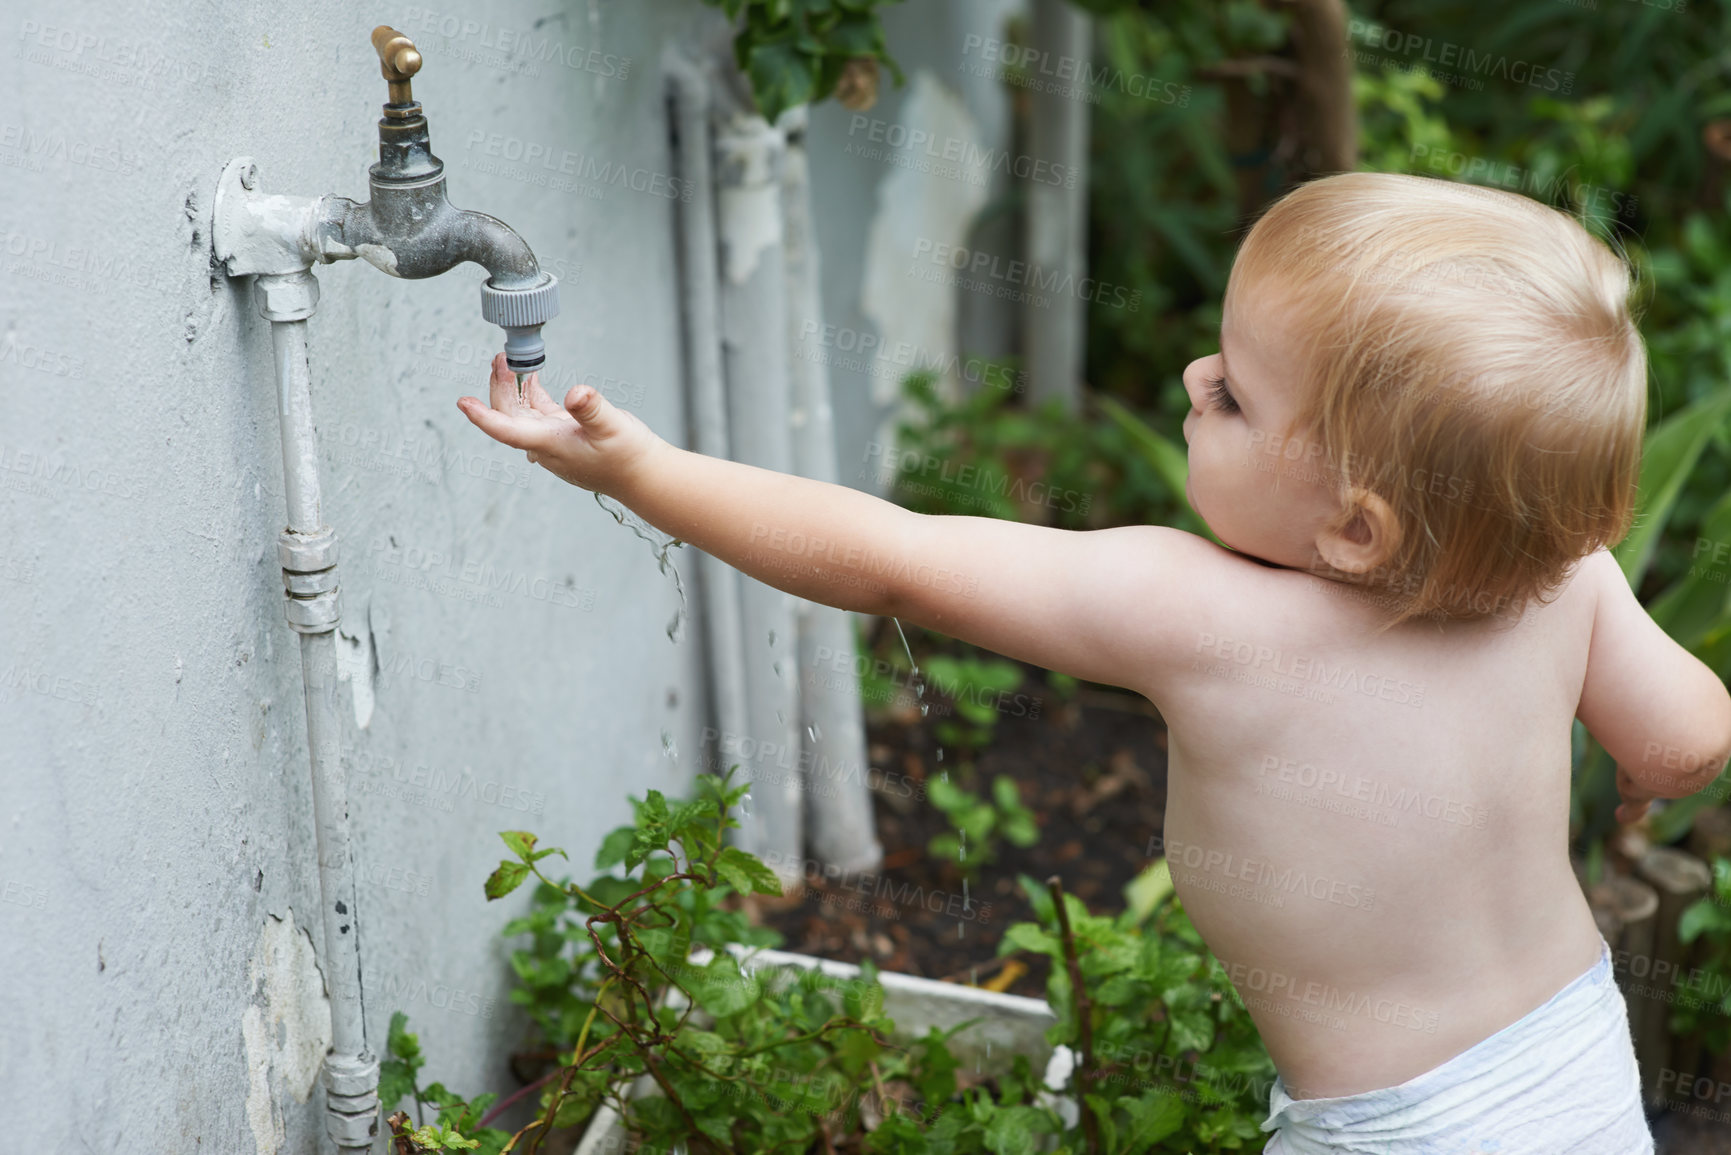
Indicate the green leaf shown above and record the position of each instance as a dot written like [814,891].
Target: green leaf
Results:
[1147,891]
[1031,937]
[1153,1117]
[781,77]
[721,989]
[1012,1131]
[507,878]
[745,873]
[520,842]
[1671,450]
[615,847]
[396,1082]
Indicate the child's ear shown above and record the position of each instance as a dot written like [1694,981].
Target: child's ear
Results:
[1367,539]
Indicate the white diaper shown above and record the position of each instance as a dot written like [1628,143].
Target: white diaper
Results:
[1561,1080]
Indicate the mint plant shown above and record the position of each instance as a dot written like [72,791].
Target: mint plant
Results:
[629,980]
[399,1078]
[977,823]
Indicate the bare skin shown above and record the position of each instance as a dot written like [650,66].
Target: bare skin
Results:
[1369,832]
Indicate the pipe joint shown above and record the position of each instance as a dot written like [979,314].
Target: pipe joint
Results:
[352,1076]
[287,296]
[318,614]
[307,552]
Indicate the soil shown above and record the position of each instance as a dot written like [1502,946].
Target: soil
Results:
[1093,771]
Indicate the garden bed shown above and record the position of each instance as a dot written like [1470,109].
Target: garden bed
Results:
[1093,770]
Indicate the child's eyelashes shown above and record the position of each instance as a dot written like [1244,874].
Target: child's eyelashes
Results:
[1220,396]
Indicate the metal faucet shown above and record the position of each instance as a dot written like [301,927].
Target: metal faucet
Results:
[408,229]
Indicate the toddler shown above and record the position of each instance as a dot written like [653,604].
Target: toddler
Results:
[1420,434]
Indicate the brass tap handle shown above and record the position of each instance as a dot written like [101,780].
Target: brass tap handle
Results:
[399,60]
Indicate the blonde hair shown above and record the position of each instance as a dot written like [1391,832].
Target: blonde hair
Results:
[1470,356]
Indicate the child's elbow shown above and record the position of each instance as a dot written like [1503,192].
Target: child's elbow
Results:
[1690,766]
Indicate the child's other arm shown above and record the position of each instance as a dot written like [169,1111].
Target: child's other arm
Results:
[1655,708]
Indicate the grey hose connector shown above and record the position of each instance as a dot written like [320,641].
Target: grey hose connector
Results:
[521,313]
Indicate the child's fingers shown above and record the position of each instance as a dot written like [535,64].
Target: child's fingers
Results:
[503,386]
[584,402]
[502,428]
[539,399]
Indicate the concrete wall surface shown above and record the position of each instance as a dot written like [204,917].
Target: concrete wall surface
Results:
[506,639]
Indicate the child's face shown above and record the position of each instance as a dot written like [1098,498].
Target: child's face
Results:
[1260,494]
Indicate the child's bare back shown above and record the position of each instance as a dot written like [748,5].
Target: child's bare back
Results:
[1370,831]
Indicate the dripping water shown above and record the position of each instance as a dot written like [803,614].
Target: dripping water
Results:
[675,628]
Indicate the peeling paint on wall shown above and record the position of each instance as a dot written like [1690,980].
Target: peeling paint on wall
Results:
[287,1028]
[915,207]
[750,212]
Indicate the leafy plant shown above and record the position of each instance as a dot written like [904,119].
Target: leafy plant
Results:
[977,823]
[1709,918]
[722,1047]
[800,51]
[981,689]
[797,1062]
[458,1125]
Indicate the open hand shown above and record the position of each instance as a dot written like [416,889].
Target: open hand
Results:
[589,441]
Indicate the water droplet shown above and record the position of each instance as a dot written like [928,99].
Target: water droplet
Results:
[905,645]
[781,715]
[967,905]
[945,776]
[675,626]
[962,850]
[940,753]
[668,745]
[958,930]
[522,391]
[817,734]
[745,805]
[810,733]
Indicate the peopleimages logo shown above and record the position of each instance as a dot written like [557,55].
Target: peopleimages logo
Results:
[971,160]
[977,269]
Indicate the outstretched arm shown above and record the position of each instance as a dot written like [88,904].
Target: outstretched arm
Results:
[1077,602]
[1655,707]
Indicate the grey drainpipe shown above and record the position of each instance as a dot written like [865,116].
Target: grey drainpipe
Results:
[838,807]
[747,161]
[688,98]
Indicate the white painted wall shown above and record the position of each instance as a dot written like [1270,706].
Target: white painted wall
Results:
[155,815]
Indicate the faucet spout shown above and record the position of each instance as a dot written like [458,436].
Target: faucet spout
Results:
[414,232]
[410,229]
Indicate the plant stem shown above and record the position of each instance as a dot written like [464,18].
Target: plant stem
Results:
[499,1107]
[1084,1017]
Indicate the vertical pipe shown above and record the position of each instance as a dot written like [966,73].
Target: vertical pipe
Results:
[707,403]
[754,349]
[307,551]
[1057,222]
[838,808]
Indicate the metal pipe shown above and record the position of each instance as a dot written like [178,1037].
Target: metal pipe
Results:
[1057,216]
[706,405]
[838,808]
[748,156]
[307,550]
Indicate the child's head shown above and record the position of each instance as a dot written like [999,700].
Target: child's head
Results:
[1440,394]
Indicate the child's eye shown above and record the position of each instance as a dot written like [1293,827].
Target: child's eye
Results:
[1218,394]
